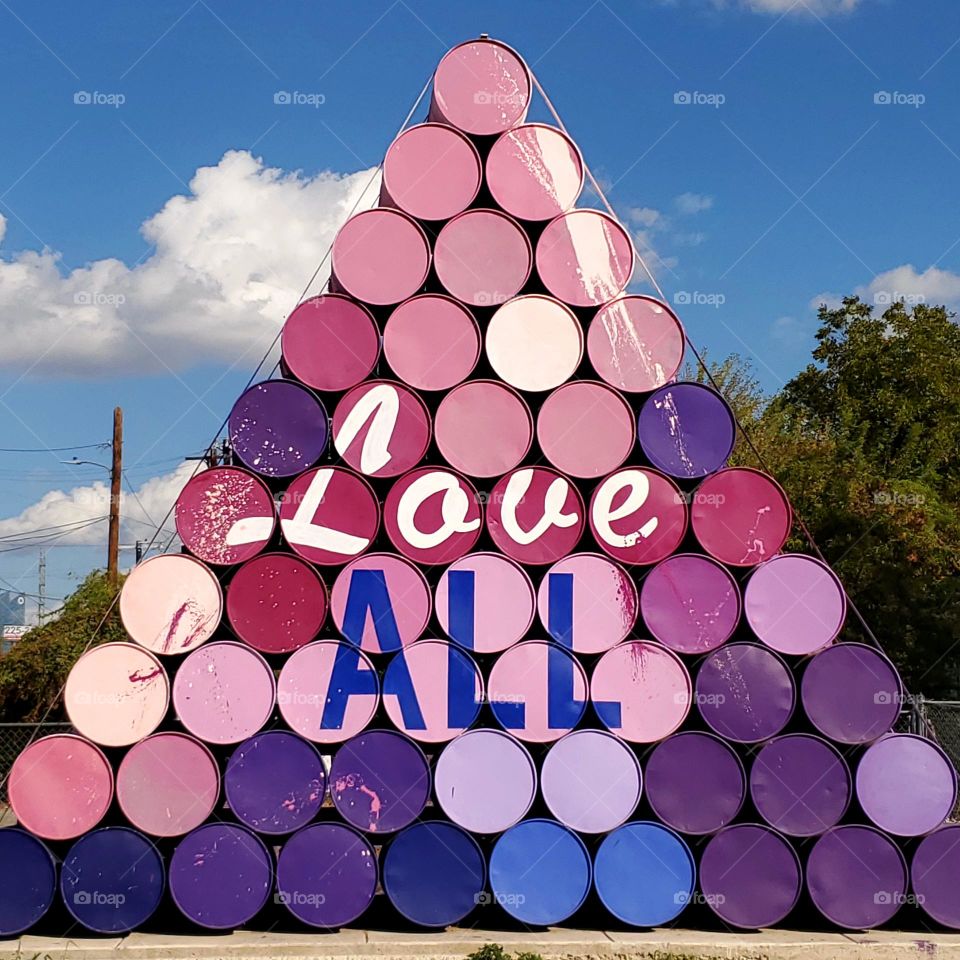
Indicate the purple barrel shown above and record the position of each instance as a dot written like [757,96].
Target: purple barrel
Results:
[28,876]
[278,428]
[275,782]
[800,784]
[220,876]
[326,875]
[750,876]
[380,781]
[857,877]
[687,430]
[695,782]
[906,784]
[745,692]
[934,872]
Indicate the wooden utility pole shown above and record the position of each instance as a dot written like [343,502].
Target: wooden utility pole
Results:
[113,536]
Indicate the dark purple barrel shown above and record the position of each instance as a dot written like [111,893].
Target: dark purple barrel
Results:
[275,782]
[326,875]
[750,876]
[745,692]
[112,880]
[857,877]
[28,878]
[221,875]
[934,872]
[695,782]
[800,785]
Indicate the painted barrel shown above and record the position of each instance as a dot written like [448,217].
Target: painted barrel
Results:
[116,694]
[434,873]
[326,875]
[750,876]
[168,784]
[276,602]
[330,342]
[534,172]
[695,782]
[380,256]
[857,877]
[171,603]
[644,874]
[112,880]
[224,692]
[800,785]
[534,343]
[591,781]
[483,428]
[278,428]
[690,603]
[482,257]
[794,604]
[906,784]
[584,258]
[485,781]
[431,171]
[540,872]
[851,693]
[380,781]
[275,782]
[934,871]
[220,876]
[29,875]
[482,87]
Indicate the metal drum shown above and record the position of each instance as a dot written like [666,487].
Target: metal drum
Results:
[934,871]
[28,875]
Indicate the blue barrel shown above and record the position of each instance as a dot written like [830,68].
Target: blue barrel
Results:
[28,878]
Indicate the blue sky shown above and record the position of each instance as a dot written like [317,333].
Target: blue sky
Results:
[782,182]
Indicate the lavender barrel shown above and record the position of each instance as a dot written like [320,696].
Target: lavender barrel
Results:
[275,782]
[168,784]
[750,876]
[485,781]
[221,876]
[112,880]
[431,172]
[801,785]
[745,692]
[686,430]
[644,874]
[934,871]
[591,781]
[28,874]
[906,784]
[380,781]
[695,782]
[857,877]
[540,872]
[326,875]
[434,873]
[278,428]
[851,693]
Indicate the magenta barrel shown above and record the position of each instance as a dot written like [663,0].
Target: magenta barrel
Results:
[28,875]
[695,782]
[168,784]
[534,172]
[431,172]
[745,692]
[800,785]
[60,787]
[934,871]
[690,603]
[379,256]
[171,603]
[330,342]
[485,781]
[278,428]
[276,602]
[591,781]
[481,87]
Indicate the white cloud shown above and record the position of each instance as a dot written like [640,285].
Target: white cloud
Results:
[934,286]
[644,216]
[3,227]
[692,203]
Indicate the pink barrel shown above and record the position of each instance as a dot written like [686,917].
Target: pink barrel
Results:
[584,258]
[60,787]
[535,172]
[171,603]
[431,171]
[380,256]
[481,87]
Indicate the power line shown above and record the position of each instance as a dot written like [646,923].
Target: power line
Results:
[82,446]
[28,534]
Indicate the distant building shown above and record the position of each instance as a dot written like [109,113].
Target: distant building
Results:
[13,617]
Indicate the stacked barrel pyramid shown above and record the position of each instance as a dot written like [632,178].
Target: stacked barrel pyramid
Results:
[479,620]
